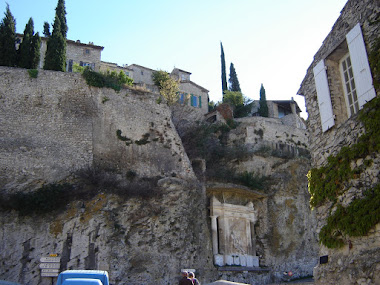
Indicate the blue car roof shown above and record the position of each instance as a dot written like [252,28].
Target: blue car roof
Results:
[89,274]
[83,281]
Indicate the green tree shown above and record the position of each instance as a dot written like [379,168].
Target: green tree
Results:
[234,82]
[46,29]
[234,98]
[55,56]
[35,53]
[223,62]
[60,11]
[160,76]
[8,54]
[29,50]
[169,87]
[263,109]
[241,105]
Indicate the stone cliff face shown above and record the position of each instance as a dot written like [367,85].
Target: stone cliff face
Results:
[54,127]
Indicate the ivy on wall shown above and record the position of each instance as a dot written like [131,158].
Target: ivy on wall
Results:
[328,182]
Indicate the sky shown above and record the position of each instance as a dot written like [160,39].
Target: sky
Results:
[270,42]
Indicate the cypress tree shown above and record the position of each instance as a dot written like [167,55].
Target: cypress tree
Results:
[35,51]
[24,50]
[234,82]
[8,54]
[60,11]
[46,29]
[263,109]
[224,77]
[55,57]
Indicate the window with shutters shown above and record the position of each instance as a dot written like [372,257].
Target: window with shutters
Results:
[343,80]
[349,85]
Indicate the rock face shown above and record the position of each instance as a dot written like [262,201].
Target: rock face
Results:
[54,126]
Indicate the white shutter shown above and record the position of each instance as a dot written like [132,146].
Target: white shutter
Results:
[323,95]
[360,66]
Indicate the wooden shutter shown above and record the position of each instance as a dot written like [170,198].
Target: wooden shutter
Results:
[323,95]
[200,101]
[360,66]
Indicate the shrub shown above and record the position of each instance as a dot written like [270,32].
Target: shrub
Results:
[46,199]
[33,73]
[109,79]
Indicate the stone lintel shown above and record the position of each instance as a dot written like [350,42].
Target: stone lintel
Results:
[217,188]
[243,268]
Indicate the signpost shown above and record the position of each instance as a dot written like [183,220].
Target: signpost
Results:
[50,265]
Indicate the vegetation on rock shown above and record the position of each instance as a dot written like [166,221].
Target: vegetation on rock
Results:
[89,182]
[108,79]
[168,86]
[330,181]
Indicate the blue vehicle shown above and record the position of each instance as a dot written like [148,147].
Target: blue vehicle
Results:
[83,277]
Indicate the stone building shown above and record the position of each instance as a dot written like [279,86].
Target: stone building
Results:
[76,52]
[190,94]
[337,85]
[277,108]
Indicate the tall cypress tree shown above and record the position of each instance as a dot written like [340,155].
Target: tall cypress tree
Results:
[8,54]
[234,82]
[24,51]
[60,11]
[55,57]
[35,53]
[263,109]
[46,29]
[224,77]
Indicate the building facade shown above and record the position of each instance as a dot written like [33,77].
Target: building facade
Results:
[345,174]
[76,53]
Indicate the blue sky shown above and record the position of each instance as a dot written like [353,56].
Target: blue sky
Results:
[270,42]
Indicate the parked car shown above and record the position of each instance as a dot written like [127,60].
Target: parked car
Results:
[83,277]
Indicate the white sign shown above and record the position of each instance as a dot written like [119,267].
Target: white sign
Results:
[50,265]
[50,259]
[49,270]
[49,274]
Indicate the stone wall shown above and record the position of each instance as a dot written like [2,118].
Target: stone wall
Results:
[54,129]
[356,262]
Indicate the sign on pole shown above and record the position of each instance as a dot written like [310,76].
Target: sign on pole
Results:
[50,265]
[50,259]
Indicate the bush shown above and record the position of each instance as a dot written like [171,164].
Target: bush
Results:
[33,73]
[109,79]
[48,198]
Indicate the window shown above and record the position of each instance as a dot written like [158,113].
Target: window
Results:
[142,72]
[182,98]
[193,100]
[346,74]
[70,68]
[349,85]
[84,64]
[86,51]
